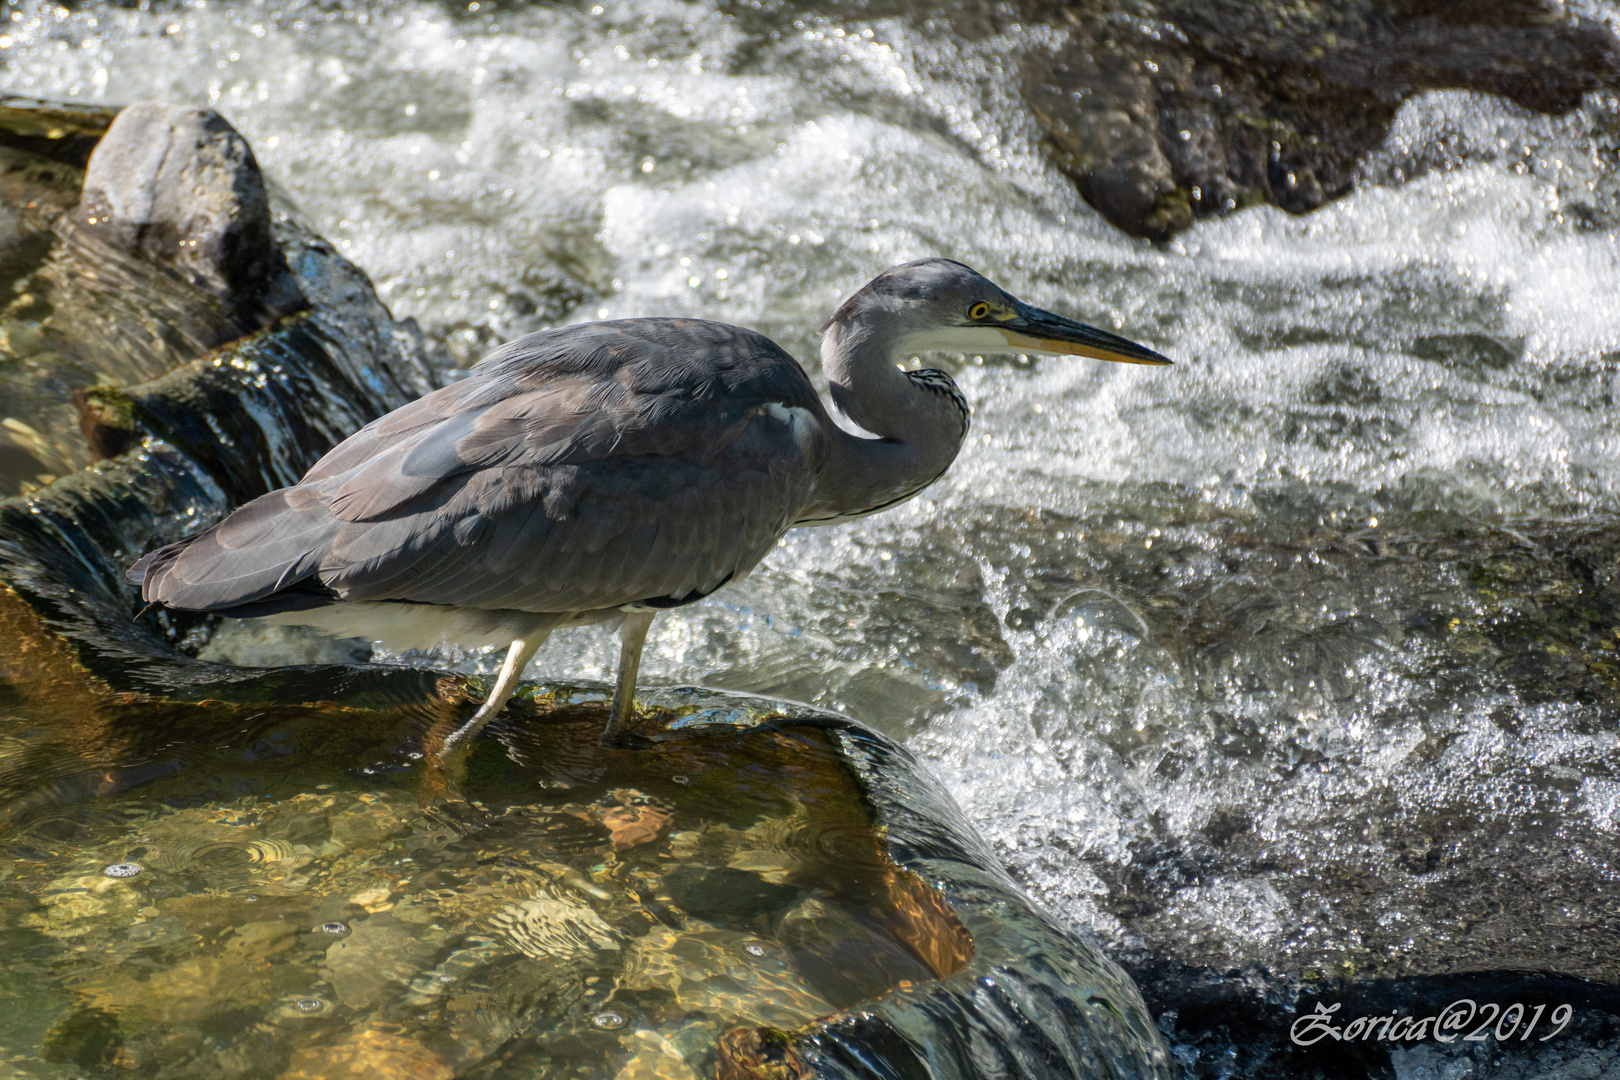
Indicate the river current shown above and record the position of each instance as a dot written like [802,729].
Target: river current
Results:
[1163,632]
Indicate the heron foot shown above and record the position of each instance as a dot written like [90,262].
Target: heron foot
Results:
[624,740]
[517,658]
[632,635]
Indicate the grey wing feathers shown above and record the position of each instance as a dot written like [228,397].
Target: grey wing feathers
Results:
[272,542]
[573,470]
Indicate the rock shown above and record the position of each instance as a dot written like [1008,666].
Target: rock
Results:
[752,1054]
[88,1037]
[127,353]
[850,958]
[34,192]
[375,962]
[656,1063]
[1164,112]
[725,891]
[448,980]
[370,1054]
[63,131]
[177,186]
[549,925]
[1449,875]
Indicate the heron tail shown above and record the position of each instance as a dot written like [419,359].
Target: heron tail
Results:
[272,545]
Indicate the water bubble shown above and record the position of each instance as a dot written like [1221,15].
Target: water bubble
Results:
[122,869]
[251,899]
[608,1020]
[754,950]
[334,928]
[447,978]
[681,779]
[308,1005]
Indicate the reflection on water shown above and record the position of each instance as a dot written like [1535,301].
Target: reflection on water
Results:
[1309,634]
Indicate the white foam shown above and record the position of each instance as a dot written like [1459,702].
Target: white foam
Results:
[667,159]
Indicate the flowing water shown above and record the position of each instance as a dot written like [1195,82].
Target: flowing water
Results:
[1288,653]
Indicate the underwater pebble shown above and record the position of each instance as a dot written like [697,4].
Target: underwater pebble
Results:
[608,1021]
[373,900]
[122,869]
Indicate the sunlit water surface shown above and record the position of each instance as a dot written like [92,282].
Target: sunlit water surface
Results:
[1117,627]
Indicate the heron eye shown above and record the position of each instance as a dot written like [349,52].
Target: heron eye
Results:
[979,310]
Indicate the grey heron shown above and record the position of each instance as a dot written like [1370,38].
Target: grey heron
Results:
[603,472]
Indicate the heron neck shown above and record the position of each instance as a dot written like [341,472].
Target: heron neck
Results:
[920,428]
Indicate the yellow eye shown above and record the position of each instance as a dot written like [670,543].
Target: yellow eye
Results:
[979,310]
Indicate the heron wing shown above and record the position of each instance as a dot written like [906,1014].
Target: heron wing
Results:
[587,468]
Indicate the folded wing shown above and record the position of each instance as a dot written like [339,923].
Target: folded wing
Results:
[643,461]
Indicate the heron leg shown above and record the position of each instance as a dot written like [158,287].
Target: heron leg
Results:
[632,636]
[517,658]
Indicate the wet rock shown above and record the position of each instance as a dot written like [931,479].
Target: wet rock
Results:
[636,820]
[112,342]
[846,958]
[171,250]
[479,935]
[177,186]
[726,891]
[34,192]
[1167,111]
[656,1063]
[244,412]
[375,962]
[88,1037]
[549,925]
[61,131]
[1481,851]
[371,1054]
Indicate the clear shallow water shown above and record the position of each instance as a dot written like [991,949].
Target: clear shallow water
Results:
[230,895]
[1261,655]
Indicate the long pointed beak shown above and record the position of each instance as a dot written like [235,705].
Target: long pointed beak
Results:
[1043,331]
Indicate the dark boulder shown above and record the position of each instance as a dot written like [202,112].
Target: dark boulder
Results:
[1167,112]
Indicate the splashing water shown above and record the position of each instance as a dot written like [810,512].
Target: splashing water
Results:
[1243,655]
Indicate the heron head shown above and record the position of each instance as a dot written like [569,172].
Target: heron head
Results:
[941,304]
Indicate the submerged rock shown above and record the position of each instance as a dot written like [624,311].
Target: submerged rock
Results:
[64,131]
[1165,111]
[312,882]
